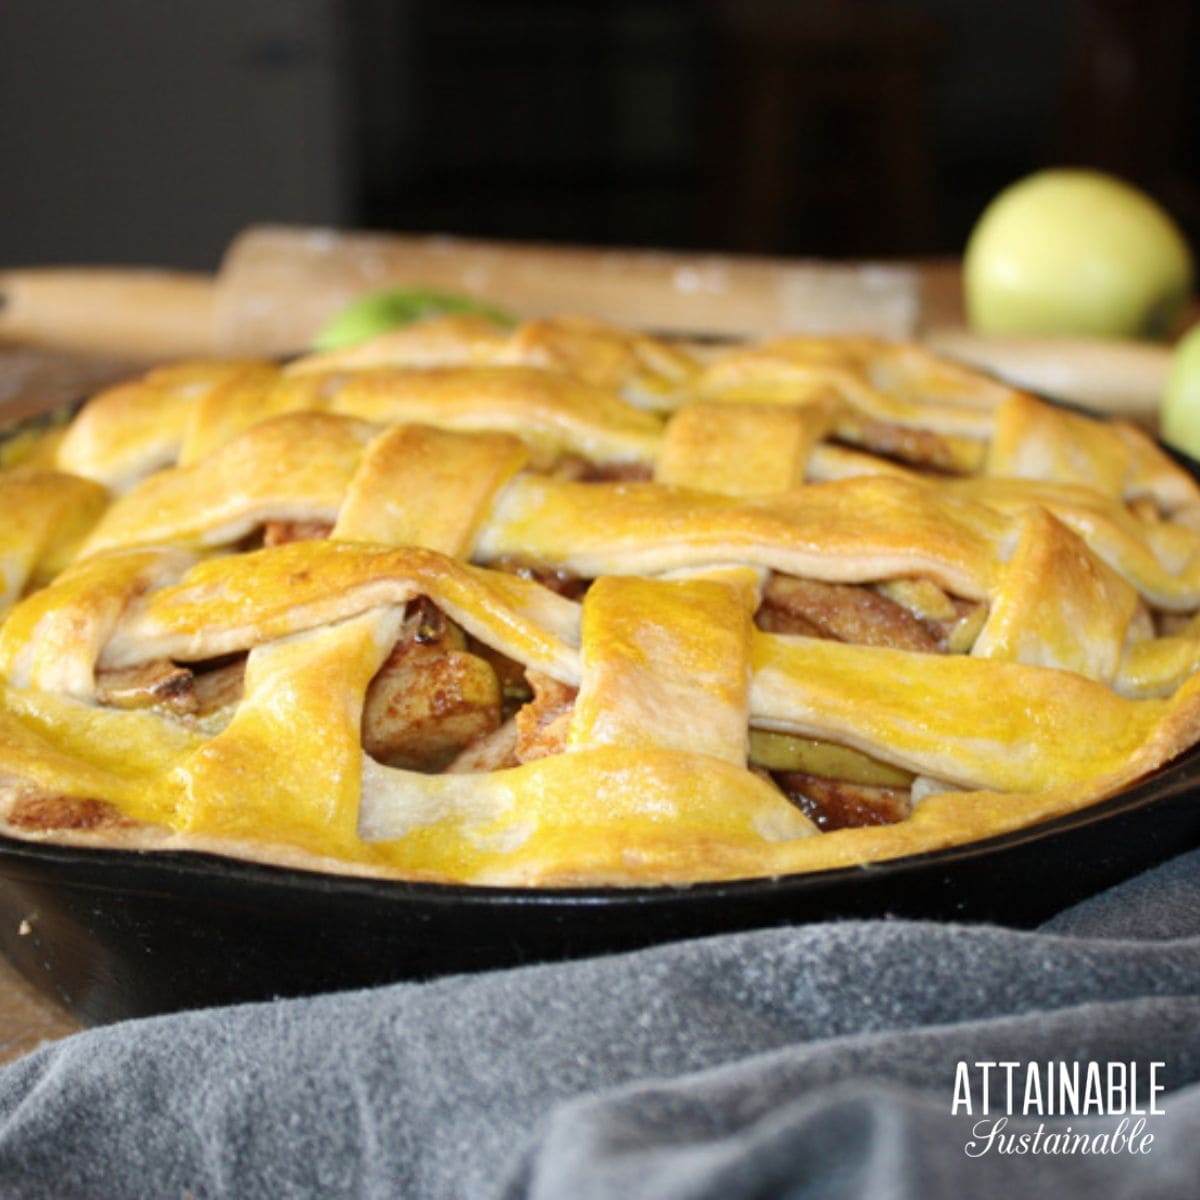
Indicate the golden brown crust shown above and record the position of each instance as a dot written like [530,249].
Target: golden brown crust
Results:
[43,813]
[358,694]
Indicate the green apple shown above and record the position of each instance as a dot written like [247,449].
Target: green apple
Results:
[1076,252]
[1181,399]
[377,312]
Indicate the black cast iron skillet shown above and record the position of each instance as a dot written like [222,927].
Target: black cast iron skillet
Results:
[116,934]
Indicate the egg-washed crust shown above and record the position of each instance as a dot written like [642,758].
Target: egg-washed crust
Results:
[939,822]
[440,450]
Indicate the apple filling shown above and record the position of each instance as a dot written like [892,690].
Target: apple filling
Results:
[910,614]
[444,702]
[834,786]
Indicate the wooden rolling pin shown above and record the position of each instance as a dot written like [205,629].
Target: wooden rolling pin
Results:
[112,312]
[278,285]
[1124,378]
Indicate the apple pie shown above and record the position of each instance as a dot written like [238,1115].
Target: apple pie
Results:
[569,605]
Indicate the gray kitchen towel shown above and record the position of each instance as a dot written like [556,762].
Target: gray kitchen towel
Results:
[832,1060]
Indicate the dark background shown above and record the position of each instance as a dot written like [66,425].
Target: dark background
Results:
[152,130]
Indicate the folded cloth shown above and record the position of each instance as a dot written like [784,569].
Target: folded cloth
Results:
[820,1060]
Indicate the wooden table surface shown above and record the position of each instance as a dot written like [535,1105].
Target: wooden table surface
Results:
[27,1017]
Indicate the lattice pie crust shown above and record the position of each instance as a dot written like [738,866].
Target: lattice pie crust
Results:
[567,605]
